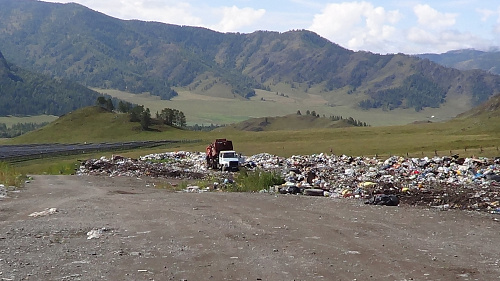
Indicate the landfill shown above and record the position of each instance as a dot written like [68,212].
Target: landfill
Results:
[446,182]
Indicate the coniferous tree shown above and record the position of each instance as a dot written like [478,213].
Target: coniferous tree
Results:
[145,119]
[124,106]
[182,119]
[109,105]
[101,101]
[135,113]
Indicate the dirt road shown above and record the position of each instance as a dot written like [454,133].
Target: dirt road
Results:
[140,232]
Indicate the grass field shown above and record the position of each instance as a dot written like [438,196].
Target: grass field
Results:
[96,125]
[408,141]
[11,120]
[201,109]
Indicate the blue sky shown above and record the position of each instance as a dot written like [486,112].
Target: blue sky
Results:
[399,26]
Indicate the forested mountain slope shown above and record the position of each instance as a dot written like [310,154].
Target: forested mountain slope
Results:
[26,93]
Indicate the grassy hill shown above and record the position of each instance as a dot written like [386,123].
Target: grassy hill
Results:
[95,124]
[292,122]
[72,41]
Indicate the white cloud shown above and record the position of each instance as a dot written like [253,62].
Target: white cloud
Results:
[234,18]
[485,13]
[431,18]
[423,41]
[436,33]
[356,24]
[175,12]
[497,26]
[453,40]
[422,36]
[169,11]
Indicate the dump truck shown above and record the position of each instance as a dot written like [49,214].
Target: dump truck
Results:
[220,155]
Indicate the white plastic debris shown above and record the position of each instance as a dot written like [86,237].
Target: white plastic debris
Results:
[95,233]
[46,212]
[3,191]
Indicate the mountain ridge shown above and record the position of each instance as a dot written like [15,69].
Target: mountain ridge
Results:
[74,42]
[468,59]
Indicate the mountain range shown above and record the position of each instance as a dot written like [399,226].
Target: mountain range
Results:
[70,41]
[467,59]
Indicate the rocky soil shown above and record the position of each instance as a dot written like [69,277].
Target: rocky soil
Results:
[126,228]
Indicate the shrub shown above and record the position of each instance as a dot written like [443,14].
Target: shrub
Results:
[9,176]
[61,168]
[253,181]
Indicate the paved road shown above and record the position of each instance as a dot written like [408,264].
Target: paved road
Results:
[30,151]
[149,233]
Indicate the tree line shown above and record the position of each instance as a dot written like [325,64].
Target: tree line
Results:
[137,113]
[348,120]
[204,128]
[18,129]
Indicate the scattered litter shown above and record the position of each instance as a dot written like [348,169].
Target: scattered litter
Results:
[3,191]
[353,252]
[46,212]
[193,188]
[95,233]
[443,207]
[81,262]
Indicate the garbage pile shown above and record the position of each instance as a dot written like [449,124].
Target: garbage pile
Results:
[441,182]
[183,165]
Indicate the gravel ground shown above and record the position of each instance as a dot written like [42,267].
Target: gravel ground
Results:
[123,228]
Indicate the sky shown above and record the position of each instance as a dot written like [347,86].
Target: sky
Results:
[383,27]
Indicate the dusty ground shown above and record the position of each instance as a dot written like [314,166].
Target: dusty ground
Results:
[155,234]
